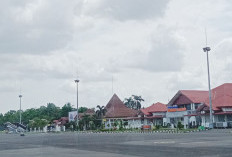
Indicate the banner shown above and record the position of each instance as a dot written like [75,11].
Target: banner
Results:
[72,116]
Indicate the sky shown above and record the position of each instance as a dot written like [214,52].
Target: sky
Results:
[150,48]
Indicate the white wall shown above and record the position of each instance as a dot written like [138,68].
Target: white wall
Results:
[159,113]
[176,114]
[134,123]
[226,109]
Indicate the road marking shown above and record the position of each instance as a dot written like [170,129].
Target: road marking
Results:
[193,143]
[164,142]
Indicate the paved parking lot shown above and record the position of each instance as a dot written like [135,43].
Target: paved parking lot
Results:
[208,143]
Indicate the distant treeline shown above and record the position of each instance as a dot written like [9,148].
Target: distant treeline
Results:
[49,113]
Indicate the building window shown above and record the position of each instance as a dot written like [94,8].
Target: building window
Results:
[229,117]
[188,106]
[221,118]
[197,105]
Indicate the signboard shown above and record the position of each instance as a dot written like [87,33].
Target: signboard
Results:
[169,107]
[176,109]
[72,116]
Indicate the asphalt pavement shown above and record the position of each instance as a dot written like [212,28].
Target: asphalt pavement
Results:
[208,143]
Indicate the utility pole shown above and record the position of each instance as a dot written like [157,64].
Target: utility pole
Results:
[77,81]
[207,49]
[20,110]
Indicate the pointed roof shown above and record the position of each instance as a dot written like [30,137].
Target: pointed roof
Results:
[221,97]
[115,108]
[189,96]
[157,107]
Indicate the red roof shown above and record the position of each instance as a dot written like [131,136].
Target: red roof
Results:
[189,96]
[88,112]
[116,109]
[196,96]
[157,107]
[221,96]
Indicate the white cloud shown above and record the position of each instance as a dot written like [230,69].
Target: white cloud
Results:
[152,48]
[125,10]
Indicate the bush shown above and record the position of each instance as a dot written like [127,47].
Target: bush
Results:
[180,126]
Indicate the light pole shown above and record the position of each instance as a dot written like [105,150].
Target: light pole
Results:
[77,81]
[20,110]
[207,49]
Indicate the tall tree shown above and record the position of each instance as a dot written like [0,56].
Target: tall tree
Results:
[101,111]
[53,111]
[66,109]
[82,109]
[134,102]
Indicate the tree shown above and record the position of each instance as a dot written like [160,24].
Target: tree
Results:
[134,102]
[11,116]
[100,113]
[1,119]
[37,123]
[82,109]
[66,109]
[129,102]
[53,111]
[84,122]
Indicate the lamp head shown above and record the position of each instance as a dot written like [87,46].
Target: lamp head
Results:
[206,49]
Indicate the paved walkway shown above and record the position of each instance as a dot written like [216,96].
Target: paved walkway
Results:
[208,143]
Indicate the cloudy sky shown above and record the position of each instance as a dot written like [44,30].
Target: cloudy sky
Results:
[150,48]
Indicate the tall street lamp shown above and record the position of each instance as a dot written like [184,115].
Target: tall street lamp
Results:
[20,110]
[207,49]
[77,81]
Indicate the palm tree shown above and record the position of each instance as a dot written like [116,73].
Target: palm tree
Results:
[129,102]
[134,102]
[138,100]
[101,111]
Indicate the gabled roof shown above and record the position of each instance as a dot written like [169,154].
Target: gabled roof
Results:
[221,96]
[189,96]
[157,107]
[115,108]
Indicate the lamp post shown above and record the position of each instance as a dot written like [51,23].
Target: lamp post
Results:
[20,110]
[207,49]
[77,81]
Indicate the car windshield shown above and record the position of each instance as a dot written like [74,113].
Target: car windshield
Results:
[120,78]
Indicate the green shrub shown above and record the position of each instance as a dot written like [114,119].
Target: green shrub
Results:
[180,126]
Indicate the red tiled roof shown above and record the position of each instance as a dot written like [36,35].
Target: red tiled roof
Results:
[196,96]
[63,118]
[145,112]
[157,107]
[116,109]
[188,96]
[88,112]
[221,96]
